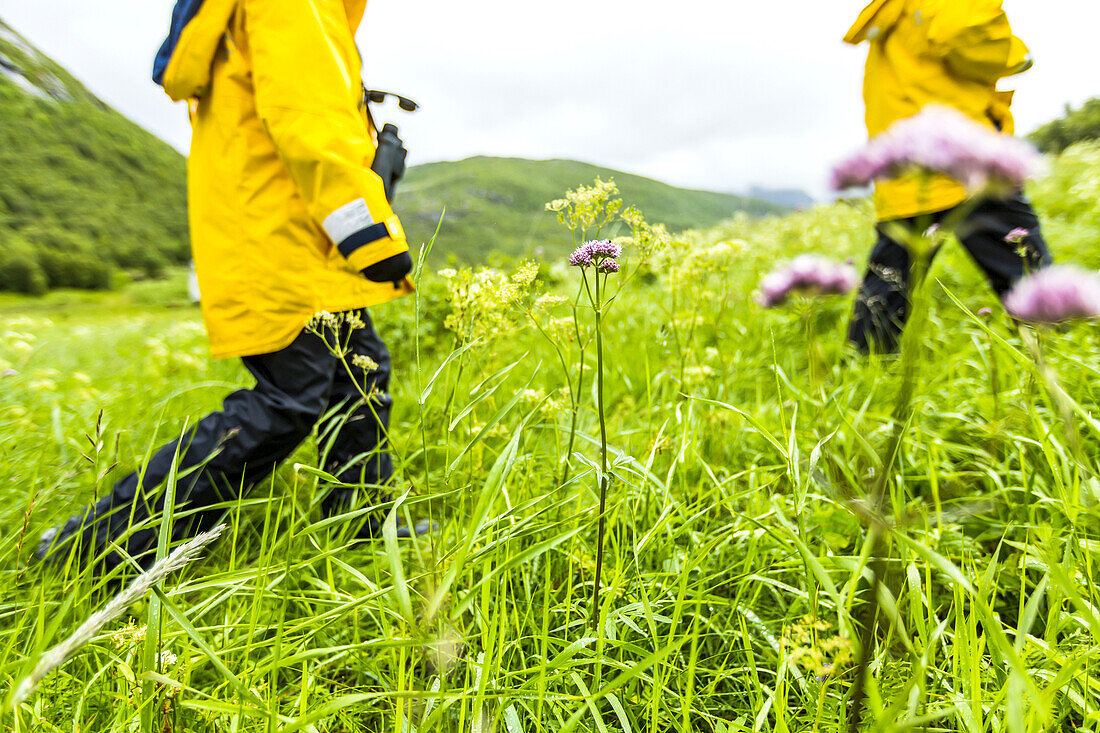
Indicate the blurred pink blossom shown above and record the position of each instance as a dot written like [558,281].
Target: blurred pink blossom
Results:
[1055,294]
[941,140]
[808,273]
[1017,235]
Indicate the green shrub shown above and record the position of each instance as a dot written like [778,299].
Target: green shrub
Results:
[1078,125]
[68,269]
[19,270]
[68,258]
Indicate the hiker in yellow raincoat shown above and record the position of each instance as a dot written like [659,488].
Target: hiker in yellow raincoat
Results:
[287,220]
[950,53]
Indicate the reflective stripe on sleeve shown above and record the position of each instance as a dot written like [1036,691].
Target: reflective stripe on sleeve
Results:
[348,220]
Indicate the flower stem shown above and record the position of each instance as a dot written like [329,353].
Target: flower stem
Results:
[595,613]
[603,454]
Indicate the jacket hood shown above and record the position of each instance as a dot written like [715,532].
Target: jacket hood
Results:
[879,16]
[182,65]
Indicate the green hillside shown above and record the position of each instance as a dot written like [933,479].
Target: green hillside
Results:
[499,204]
[84,192]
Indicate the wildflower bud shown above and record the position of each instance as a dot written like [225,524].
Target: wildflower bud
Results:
[806,273]
[1056,294]
[941,140]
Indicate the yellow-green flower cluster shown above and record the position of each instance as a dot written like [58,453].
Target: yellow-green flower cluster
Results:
[813,647]
[329,327]
[364,362]
[484,303]
[588,207]
[646,240]
[18,340]
[129,635]
[690,260]
[182,347]
[551,404]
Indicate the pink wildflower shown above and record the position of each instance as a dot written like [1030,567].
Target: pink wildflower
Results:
[599,252]
[580,257]
[806,273]
[941,140]
[1017,235]
[1055,294]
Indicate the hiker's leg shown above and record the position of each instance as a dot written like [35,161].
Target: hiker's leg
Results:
[881,303]
[984,235]
[224,453]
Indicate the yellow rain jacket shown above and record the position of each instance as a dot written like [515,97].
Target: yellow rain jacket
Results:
[284,208]
[950,52]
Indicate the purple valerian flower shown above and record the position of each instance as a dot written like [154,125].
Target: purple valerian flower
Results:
[1016,235]
[941,140]
[1054,294]
[604,248]
[806,273]
[580,257]
[599,252]
[985,312]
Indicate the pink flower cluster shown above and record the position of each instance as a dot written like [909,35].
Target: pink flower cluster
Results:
[807,273]
[941,140]
[601,253]
[1055,294]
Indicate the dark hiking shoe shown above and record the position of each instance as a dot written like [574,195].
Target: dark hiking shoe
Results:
[45,544]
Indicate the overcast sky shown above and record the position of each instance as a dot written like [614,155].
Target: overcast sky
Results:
[714,94]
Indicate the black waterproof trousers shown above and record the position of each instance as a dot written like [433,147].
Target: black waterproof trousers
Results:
[229,451]
[881,307]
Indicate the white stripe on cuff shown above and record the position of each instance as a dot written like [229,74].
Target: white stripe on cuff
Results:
[347,220]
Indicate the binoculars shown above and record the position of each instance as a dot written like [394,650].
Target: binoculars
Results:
[389,158]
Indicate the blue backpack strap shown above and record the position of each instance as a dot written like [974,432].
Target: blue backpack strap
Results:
[182,14]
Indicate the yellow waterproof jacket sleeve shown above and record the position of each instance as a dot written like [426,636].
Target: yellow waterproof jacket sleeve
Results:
[976,41]
[305,68]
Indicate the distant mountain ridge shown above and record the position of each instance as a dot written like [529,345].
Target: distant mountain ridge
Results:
[499,204]
[794,198]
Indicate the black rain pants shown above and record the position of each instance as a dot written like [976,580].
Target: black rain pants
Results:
[231,450]
[881,306]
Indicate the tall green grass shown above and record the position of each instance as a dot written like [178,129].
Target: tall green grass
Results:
[736,550]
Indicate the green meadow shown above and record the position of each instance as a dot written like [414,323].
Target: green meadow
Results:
[742,444]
